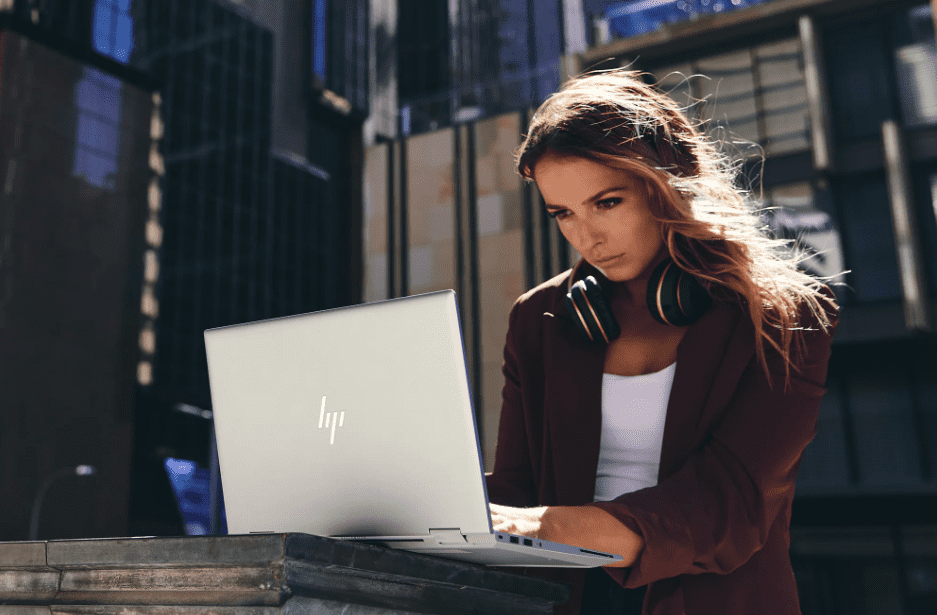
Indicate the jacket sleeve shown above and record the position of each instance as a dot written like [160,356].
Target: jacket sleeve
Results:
[511,483]
[716,511]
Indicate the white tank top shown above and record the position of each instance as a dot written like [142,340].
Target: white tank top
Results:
[633,413]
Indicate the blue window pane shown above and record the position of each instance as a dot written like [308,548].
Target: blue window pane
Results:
[97,139]
[103,15]
[123,43]
[190,485]
[870,240]
[824,468]
[318,38]
[884,425]
[97,170]
[858,73]
[97,135]
[112,29]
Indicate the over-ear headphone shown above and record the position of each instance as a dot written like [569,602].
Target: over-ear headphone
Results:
[674,297]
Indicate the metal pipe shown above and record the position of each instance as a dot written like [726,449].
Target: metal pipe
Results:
[817,96]
[910,262]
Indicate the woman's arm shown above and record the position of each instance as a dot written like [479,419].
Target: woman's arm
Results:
[719,508]
[580,526]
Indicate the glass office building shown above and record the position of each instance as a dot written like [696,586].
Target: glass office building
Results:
[468,59]
[76,161]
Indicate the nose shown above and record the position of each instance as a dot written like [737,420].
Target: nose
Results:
[591,234]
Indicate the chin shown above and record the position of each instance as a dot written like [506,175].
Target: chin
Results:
[614,275]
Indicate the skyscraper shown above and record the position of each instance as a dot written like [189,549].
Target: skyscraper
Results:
[76,153]
[466,59]
[260,205]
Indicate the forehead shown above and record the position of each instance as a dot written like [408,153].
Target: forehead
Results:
[574,179]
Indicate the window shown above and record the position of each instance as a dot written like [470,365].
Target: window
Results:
[319,17]
[756,95]
[97,143]
[113,29]
[915,59]
[792,213]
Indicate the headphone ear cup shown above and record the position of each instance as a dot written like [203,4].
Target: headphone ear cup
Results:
[586,304]
[692,298]
[674,297]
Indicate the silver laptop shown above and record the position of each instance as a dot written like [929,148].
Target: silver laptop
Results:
[357,423]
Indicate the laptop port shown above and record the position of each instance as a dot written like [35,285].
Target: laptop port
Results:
[514,539]
[528,542]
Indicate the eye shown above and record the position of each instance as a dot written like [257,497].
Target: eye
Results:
[608,203]
[558,214]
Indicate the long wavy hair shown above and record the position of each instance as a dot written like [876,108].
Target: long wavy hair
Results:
[710,225]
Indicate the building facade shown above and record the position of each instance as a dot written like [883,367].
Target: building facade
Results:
[464,60]
[253,210]
[263,110]
[78,133]
[830,106]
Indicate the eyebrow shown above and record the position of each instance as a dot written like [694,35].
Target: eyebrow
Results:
[592,198]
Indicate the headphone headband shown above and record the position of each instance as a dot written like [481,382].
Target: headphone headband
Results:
[673,297]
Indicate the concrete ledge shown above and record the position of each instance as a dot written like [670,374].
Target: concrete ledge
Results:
[269,574]
[22,554]
[155,552]
[25,585]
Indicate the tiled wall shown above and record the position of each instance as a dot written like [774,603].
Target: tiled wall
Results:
[432,245]
[375,222]
[430,212]
[500,254]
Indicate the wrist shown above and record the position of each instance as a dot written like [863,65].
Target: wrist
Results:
[552,524]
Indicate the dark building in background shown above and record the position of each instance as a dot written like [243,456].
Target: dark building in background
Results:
[253,212]
[75,163]
[258,224]
[462,61]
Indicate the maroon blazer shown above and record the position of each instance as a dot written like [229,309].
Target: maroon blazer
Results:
[716,526]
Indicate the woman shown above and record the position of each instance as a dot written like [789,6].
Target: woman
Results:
[674,445]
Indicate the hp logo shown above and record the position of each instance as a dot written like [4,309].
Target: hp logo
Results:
[335,418]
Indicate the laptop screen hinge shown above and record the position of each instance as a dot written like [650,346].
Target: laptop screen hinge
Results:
[447,535]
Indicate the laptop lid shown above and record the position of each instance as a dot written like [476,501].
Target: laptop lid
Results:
[351,421]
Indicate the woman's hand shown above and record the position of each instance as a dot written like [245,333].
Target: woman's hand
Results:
[520,521]
[580,526]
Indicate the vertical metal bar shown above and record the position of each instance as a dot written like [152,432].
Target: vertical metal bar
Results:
[457,215]
[759,95]
[916,386]
[818,103]
[404,222]
[532,51]
[933,6]
[529,253]
[471,180]
[561,25]
[910,261]
[849,430]
[546,243]
[901,568]
[528,221]
[391,235]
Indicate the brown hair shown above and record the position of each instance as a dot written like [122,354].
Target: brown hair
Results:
[709,225]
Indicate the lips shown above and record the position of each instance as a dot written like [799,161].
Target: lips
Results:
[607,261]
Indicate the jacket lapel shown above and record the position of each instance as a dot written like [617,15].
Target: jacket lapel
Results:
[573,369]
[572,409]
[697,382]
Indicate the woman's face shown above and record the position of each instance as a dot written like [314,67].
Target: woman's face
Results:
[602,211]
